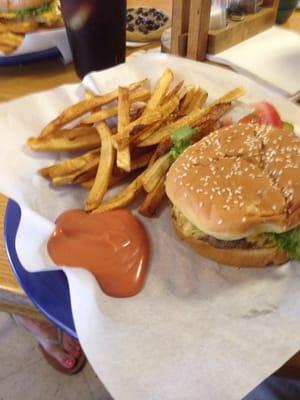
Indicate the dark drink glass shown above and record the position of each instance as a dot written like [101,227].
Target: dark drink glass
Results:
[96,33]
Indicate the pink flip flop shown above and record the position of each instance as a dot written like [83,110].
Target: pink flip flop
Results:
[79,362]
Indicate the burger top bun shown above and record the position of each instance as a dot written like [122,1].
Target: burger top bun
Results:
[14,5]
[239,181]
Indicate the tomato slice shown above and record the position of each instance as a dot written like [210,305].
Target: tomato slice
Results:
[264,113]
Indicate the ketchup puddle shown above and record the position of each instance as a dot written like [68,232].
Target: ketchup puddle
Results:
[113,245]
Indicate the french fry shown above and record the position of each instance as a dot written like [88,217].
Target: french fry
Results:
[143,120]
[64,143]
[153,199]
[192,119]
[88,94]
[104,172]
[230,96]
[73,133]
[125,197]
[18,27]
[98,116]
[215,114]
[10,41]
[88,184]
[6,49]
[159,91]
[137,162]
[120,141]
[187,99]
[84,176]
[123,155]
[201,98]
[166,110]
[162,112]
[154,173]
[198,100]
[75,178]
[83,107]
[173,92]
[142,134]
[163,147]
[141,160]
[70,166]
[188,120]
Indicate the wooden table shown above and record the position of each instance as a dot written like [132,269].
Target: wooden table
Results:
[21,80]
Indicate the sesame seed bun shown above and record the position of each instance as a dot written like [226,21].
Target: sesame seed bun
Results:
[14,5]
[239,181]
[254,258]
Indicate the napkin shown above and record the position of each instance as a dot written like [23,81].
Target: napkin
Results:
[271,58]
[44,40]
[198,330]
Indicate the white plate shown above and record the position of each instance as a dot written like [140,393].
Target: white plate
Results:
[198,330]
[136,44]
[41,41]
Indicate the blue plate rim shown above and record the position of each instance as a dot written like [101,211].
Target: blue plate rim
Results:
[36,285]
[29,57]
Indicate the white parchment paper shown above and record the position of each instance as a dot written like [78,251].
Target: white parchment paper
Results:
[44,40]
[198,330]
[271,57]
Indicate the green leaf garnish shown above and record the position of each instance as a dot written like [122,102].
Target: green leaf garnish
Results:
[181,139]
[289,242]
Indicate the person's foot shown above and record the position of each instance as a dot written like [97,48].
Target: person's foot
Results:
[62,348]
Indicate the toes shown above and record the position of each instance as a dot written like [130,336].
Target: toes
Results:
[71,346]
[59,354]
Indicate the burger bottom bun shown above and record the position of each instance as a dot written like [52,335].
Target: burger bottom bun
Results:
[242,258]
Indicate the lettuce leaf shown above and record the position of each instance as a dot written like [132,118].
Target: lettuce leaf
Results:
[181,139]
[32,11]
[289,127]
[289,242]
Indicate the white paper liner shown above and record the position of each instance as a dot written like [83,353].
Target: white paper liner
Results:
[270,57]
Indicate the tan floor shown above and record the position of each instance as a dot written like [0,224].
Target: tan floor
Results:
[24,373]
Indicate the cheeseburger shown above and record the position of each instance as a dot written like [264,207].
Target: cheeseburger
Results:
[236,195]
[45,12]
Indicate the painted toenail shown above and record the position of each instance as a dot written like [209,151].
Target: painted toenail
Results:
[69,362]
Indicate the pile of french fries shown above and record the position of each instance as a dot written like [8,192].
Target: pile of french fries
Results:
[12,34]
[124,136]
